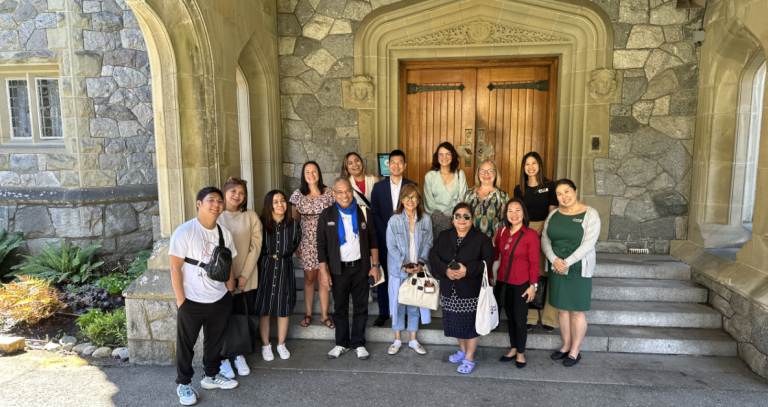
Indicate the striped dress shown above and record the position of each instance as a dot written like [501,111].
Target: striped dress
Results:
[276,294]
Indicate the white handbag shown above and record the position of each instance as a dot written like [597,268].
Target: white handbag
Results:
[487,317]
[422,292]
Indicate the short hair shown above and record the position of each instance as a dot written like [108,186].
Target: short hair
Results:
[232,183]
[344,172]
[208,190]
[304,187]
[496,181]
[566,181]
[507,223]
[340,179]
[268,209]
[397,153]
[462,205]
[406,190]
[454,157]
[540,178]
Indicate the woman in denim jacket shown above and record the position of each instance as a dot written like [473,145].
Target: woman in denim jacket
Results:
[409,238]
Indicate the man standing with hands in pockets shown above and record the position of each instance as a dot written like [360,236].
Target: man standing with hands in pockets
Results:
[203,302]
[346,247]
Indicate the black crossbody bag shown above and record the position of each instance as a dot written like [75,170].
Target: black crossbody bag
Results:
[220,266]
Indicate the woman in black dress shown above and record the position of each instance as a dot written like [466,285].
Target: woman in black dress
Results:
[472,251]
[276,294]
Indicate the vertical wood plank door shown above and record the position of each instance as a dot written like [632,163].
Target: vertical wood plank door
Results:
[500,123]
[433,117]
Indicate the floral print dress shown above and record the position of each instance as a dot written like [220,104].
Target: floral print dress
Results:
[487,212]
[310,209]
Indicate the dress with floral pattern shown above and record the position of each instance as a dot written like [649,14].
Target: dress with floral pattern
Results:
[310,209]
[487,212]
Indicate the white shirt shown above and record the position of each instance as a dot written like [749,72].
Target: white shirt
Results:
[193,240]
[395,191]
[350,251]
[412,248]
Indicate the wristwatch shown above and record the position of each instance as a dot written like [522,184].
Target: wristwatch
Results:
[377,265]
[535,286]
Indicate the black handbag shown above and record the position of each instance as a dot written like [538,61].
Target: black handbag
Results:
[220,266]
[241,334]
[539,300]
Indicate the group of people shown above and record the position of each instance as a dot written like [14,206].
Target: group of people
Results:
[358,231]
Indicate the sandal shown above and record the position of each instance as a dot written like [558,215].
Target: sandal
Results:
[328,322]
[466,367]
[306,321]
[458,357]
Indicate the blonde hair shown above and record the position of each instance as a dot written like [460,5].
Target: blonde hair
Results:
[497,180]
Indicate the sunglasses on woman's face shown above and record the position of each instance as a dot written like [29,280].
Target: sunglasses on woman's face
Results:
[458,216]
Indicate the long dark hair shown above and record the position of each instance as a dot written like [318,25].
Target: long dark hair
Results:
[540,178]
[266,212]
[233,182]
[344,171]
[454,157]
[507,223]
[406,190]
[304,188]
[463,205]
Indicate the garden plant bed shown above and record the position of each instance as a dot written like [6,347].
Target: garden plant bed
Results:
[57,326]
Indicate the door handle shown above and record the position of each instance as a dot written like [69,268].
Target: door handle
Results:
[466,149]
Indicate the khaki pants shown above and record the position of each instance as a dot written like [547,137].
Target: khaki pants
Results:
[549,314]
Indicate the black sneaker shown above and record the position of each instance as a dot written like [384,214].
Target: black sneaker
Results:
[380,320]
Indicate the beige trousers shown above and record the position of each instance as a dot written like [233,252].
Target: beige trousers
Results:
[549,314]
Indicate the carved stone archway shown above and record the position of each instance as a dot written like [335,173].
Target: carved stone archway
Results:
[578,32]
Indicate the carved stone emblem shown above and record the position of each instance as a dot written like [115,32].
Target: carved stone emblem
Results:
[602,83]
[358,92]
[480,32]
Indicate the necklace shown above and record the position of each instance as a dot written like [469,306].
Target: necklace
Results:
[459,239]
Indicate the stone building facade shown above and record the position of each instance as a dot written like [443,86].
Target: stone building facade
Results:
[93,179]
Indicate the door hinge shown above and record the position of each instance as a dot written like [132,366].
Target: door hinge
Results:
[541,85]
[414,88]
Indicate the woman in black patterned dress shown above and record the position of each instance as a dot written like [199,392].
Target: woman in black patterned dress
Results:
[276,294]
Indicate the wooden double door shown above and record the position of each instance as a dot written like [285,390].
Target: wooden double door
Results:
[486,109]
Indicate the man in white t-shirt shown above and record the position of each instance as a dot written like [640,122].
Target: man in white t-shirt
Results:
[203,303]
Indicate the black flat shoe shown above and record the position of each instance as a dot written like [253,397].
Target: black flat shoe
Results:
[520,365]
[507,358]
[529,327]
[557,355]
[548,328]
[380,320]
[569,361]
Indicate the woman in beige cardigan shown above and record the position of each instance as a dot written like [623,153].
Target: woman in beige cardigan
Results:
[245,226]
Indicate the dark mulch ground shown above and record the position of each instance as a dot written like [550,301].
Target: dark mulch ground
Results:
[56,326]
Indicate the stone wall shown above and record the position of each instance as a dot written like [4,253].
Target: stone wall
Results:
[107,120]
[648,169]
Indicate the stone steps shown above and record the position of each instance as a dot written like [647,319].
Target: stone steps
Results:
[599,338]
[644,266]
[638,289]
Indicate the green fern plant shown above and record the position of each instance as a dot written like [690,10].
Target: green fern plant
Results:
[69,264]
[7,245]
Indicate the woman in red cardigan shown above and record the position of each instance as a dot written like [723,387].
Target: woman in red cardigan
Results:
[517,254]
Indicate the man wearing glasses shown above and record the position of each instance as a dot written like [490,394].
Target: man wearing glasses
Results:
[384,199]
[348,256]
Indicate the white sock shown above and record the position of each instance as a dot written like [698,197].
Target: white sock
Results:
[413,343]
[398,343]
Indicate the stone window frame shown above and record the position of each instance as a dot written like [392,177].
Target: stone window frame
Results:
[30,73]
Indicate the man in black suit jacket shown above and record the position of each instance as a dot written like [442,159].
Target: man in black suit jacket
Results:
[384,199]
[348,255]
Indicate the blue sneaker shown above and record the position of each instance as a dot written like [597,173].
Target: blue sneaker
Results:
[187,394]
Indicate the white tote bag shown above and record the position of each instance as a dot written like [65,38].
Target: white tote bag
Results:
[421,292]
[487,318]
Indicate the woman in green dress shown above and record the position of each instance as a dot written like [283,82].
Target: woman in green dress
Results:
[568,240]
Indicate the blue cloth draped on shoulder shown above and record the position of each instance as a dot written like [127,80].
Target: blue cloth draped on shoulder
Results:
[352,210]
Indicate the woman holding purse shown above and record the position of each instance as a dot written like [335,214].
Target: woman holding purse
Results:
[409,239]
[517,255]
[459,257]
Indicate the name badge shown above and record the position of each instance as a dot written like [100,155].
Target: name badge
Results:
[362,225]
[331,223]
[541,191]
[578,220]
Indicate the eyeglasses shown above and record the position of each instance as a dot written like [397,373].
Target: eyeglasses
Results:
[458,216]
[411,198]
[483,172]
[447,155]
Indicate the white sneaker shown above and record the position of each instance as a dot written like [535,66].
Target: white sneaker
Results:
[226,370]
[242,367]
[362,353]
[266,353]
[283,352]
[218,382]
[337,351]
[187,394]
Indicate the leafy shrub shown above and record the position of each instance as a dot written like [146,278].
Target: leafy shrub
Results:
[86,297]
[139,264]
[7,245]
[29,299]
[114,283]
[65,264]
[104,329]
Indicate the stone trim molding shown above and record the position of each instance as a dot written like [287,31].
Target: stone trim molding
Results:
[58,196]
[481,32]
